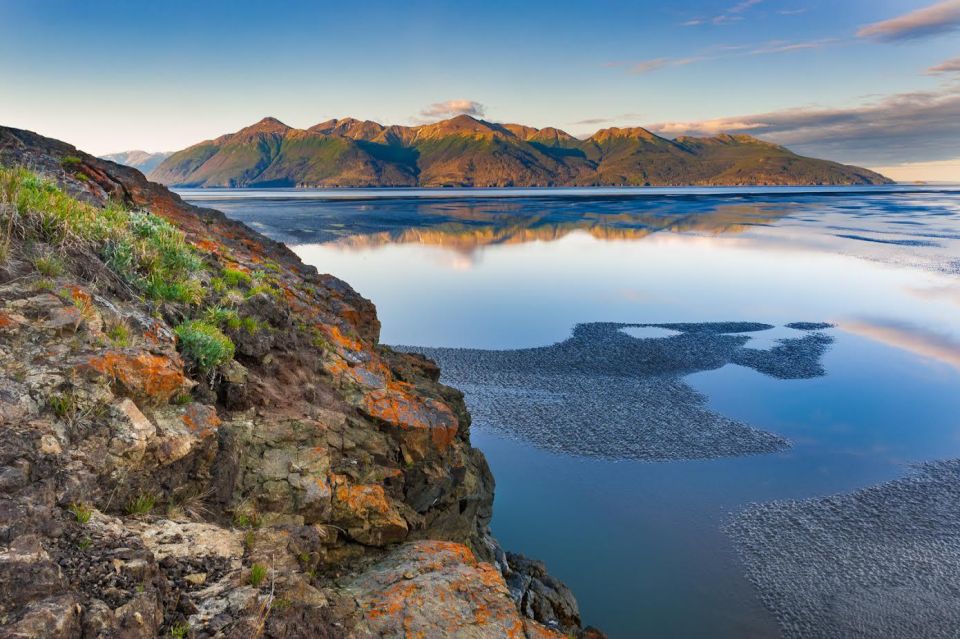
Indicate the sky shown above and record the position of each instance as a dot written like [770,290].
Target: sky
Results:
[870,82]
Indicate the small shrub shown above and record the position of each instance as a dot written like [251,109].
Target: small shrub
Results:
[70,160]
[81,512]
[234,277]
[141,504]
[180,630]
[48,265]
[43,285]
[258,572]
[204,344]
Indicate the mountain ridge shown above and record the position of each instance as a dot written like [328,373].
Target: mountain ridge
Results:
[467,151]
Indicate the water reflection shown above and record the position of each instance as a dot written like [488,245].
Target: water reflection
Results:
[640,543]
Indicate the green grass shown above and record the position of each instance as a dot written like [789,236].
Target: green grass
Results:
[180,630]
[258,572]
[204,344]
[48,265]
[141,504]
[84,543]
[81,512]
[70,160]
[119,334]
[146,251]
[62,404]
[233,277]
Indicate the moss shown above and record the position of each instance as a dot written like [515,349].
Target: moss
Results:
[204,344]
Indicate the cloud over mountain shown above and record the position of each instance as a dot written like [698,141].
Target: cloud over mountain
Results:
[450,108]
[904,127]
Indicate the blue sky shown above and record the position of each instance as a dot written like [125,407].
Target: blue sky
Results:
[848,79]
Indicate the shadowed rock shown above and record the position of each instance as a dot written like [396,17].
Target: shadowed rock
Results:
[603,393]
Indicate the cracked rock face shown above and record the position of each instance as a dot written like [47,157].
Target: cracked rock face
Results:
[603,393]
[139,497]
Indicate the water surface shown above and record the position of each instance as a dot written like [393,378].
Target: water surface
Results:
[638,541]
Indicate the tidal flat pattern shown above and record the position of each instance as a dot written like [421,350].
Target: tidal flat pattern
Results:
[879,562]
[603,393]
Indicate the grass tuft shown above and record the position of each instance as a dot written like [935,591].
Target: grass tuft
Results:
[258,572]
[204,344]
[141,504]
[81,512]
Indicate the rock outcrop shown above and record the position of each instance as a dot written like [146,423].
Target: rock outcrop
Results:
[304,482]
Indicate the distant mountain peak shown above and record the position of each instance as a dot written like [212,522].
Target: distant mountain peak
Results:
[469,151]
[635,133]
[266,125]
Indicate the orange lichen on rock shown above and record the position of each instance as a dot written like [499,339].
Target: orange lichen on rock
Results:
[439,589]
[411,413]
[153,378]
[346,342]
[201,420]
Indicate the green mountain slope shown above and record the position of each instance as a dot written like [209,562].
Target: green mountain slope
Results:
[464,151]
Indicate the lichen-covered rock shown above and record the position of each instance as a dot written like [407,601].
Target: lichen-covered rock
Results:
[438,589]
[141,492]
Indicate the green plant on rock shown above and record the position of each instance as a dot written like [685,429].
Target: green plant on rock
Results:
[63,405]
[70,160]
[48,265]
[258,572]
[180,630]
[233,277]
[141,504]
[119,334]
[81,512]
[84,543]
[144,250]
[204,344]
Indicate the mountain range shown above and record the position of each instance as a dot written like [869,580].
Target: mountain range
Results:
[465,151]
[143,161]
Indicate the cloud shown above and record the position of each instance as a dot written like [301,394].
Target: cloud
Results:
[947,66]
[721,52]
[921,126]
[782,46]
[646,66]
[938,18]
[451,108]
[732,14]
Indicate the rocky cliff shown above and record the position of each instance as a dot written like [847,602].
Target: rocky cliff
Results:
[202,437]
[464,151]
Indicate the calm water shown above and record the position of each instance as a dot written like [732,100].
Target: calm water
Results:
[639,542]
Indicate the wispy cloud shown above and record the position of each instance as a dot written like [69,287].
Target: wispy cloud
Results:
[731,14]
[607,120]
[718,53]
[947,66]
[646,66]
[905,127]
[782,46]
[938,18]
[450,108]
